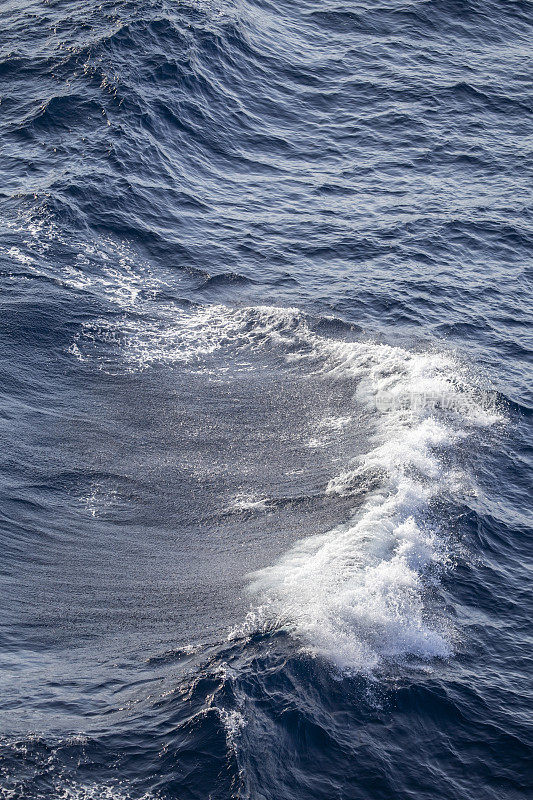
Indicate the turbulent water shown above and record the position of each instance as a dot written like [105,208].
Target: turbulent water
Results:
[266,337]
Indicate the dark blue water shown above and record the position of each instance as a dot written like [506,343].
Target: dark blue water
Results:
[266,338]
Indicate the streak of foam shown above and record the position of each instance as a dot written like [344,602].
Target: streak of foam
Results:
[175,335]
[248,502]
[105,268]
[97,792]
[233,722]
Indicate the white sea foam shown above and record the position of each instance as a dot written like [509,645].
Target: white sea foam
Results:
[96,792]
[245,501]
[335,423]
[358,593]
[169,334]
[106,268]
[233,722]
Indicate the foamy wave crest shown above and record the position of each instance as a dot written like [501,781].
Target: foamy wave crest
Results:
[356,593]
[360,593]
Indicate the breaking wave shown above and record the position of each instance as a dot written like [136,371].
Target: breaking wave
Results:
[366,590]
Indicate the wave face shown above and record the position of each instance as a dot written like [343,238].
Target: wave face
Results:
[356,593]
[266,400]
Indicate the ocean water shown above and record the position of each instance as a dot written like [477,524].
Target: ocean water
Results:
[266,339]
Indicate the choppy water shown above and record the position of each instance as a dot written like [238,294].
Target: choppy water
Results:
[266,400]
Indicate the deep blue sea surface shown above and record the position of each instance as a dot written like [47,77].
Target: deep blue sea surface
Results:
[266,346]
